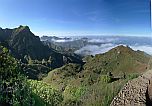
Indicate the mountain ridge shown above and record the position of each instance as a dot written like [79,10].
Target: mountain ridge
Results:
[22,42]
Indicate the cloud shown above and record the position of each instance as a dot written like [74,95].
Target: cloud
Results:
[145,48]
[105,40]
[94,49]
[62,40]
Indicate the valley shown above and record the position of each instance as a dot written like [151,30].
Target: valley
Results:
[64,71]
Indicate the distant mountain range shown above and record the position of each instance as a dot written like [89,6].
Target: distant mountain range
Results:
[91,45]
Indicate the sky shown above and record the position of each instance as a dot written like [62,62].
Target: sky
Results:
[78,17]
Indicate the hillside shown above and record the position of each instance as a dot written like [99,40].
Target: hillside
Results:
[17,90]
[100,78]
[118,60]
[93,80]
[24,42]
[28,48]
[137,92]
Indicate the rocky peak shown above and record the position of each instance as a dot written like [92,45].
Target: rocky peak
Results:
[24,28]
[21,29]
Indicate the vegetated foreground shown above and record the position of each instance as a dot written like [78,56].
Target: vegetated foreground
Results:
[57,79]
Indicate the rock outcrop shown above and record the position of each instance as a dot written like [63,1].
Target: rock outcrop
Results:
[134,93]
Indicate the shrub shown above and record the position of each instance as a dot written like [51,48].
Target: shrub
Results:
[45,92]
[106,78]
[78,92]
[132,76]
[72,102]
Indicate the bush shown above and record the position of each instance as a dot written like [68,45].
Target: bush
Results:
[72,102]
[78,92]
[132,76]
[106,78]
[45,92]
[74,92]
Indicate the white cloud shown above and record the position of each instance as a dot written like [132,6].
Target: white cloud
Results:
[94,49]
[106,40]
[63,40]
[145,48]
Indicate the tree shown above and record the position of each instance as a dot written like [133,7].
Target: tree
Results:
[13,86]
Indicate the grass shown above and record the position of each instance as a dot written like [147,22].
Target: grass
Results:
[101,93]
[91,85]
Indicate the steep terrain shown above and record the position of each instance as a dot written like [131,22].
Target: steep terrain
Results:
[38,59]
[22,42]
[118,60]
[135,92]
[100,78]
[67,81]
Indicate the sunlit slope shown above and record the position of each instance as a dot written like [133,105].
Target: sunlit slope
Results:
[118,60]
[100,78]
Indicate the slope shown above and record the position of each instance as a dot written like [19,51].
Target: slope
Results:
[100,78]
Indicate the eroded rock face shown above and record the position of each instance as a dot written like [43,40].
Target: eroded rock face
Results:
[134,93]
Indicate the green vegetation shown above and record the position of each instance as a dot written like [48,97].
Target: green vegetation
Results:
[16,90]
[118,60]
[13,86]
[85,90]
[36,71]
[93,84]
[45,93]
[100,79]
[106,79]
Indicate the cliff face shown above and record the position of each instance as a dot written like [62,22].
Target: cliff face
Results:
[26,43]
[135,92]
[22,42]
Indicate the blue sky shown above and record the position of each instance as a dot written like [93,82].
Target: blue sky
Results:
[78,17]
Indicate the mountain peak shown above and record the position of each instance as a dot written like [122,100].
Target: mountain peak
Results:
[122,48]
[23,28]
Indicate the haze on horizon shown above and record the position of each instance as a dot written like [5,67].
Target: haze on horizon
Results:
[78,17]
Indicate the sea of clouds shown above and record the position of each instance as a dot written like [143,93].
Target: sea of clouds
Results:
[109,43]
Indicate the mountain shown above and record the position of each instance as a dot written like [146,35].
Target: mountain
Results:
[121,59]
[92,45]
[54,38]
[93,80]
[24,42]
[118,61]
[27,47]
[64,44]
[100,78]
